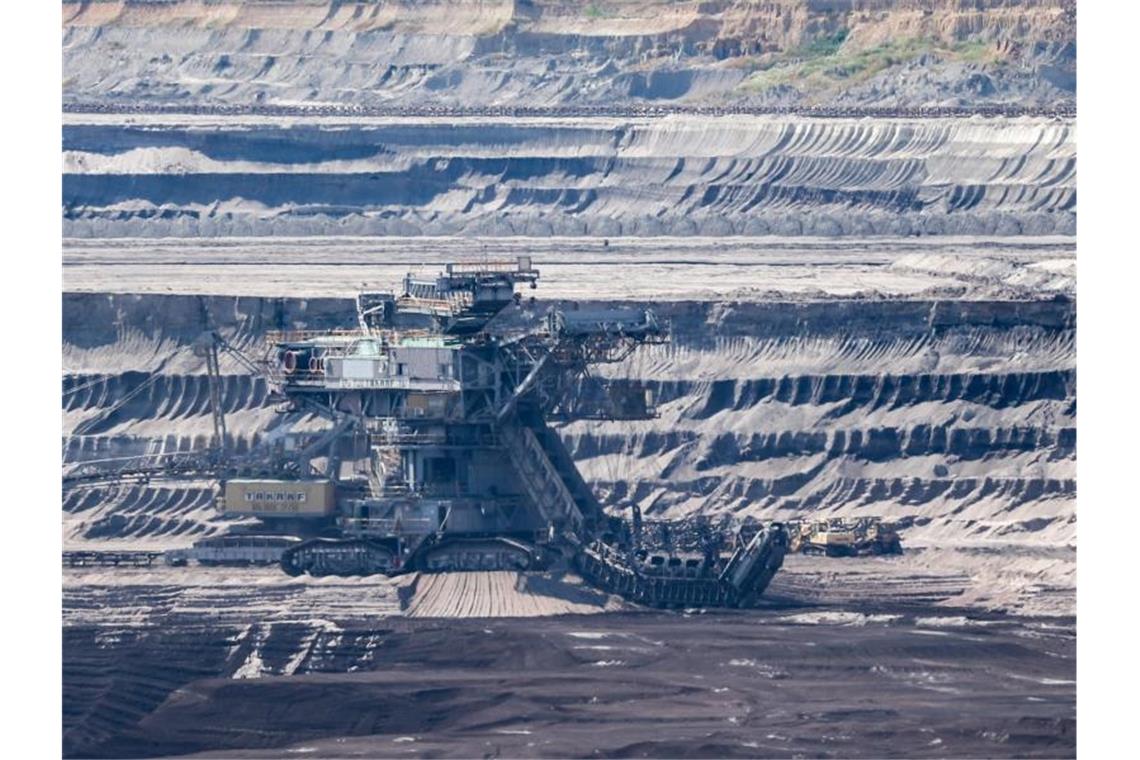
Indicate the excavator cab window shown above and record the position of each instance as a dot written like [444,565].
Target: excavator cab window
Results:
[368,348]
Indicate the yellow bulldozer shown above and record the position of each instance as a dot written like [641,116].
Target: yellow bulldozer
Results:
[840,537]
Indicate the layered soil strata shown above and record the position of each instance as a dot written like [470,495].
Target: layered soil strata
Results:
[543,52]
[598,177]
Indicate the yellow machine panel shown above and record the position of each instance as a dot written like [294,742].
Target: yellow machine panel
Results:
[268,498]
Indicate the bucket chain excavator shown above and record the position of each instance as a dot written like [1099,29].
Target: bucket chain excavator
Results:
[417,439]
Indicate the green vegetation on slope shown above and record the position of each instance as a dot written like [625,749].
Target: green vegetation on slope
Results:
[595,10]
[825,64]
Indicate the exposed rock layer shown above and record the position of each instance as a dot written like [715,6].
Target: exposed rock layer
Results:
[882,52]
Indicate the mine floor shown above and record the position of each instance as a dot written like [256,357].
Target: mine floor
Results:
[909,682]
[847,657]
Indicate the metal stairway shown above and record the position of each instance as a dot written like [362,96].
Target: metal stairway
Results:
[564,464]
[541,479]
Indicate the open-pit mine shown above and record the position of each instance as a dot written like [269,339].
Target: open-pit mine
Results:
[540,379]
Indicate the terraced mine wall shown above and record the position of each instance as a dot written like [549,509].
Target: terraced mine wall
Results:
[545,52]
[605,177]
[958,417]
